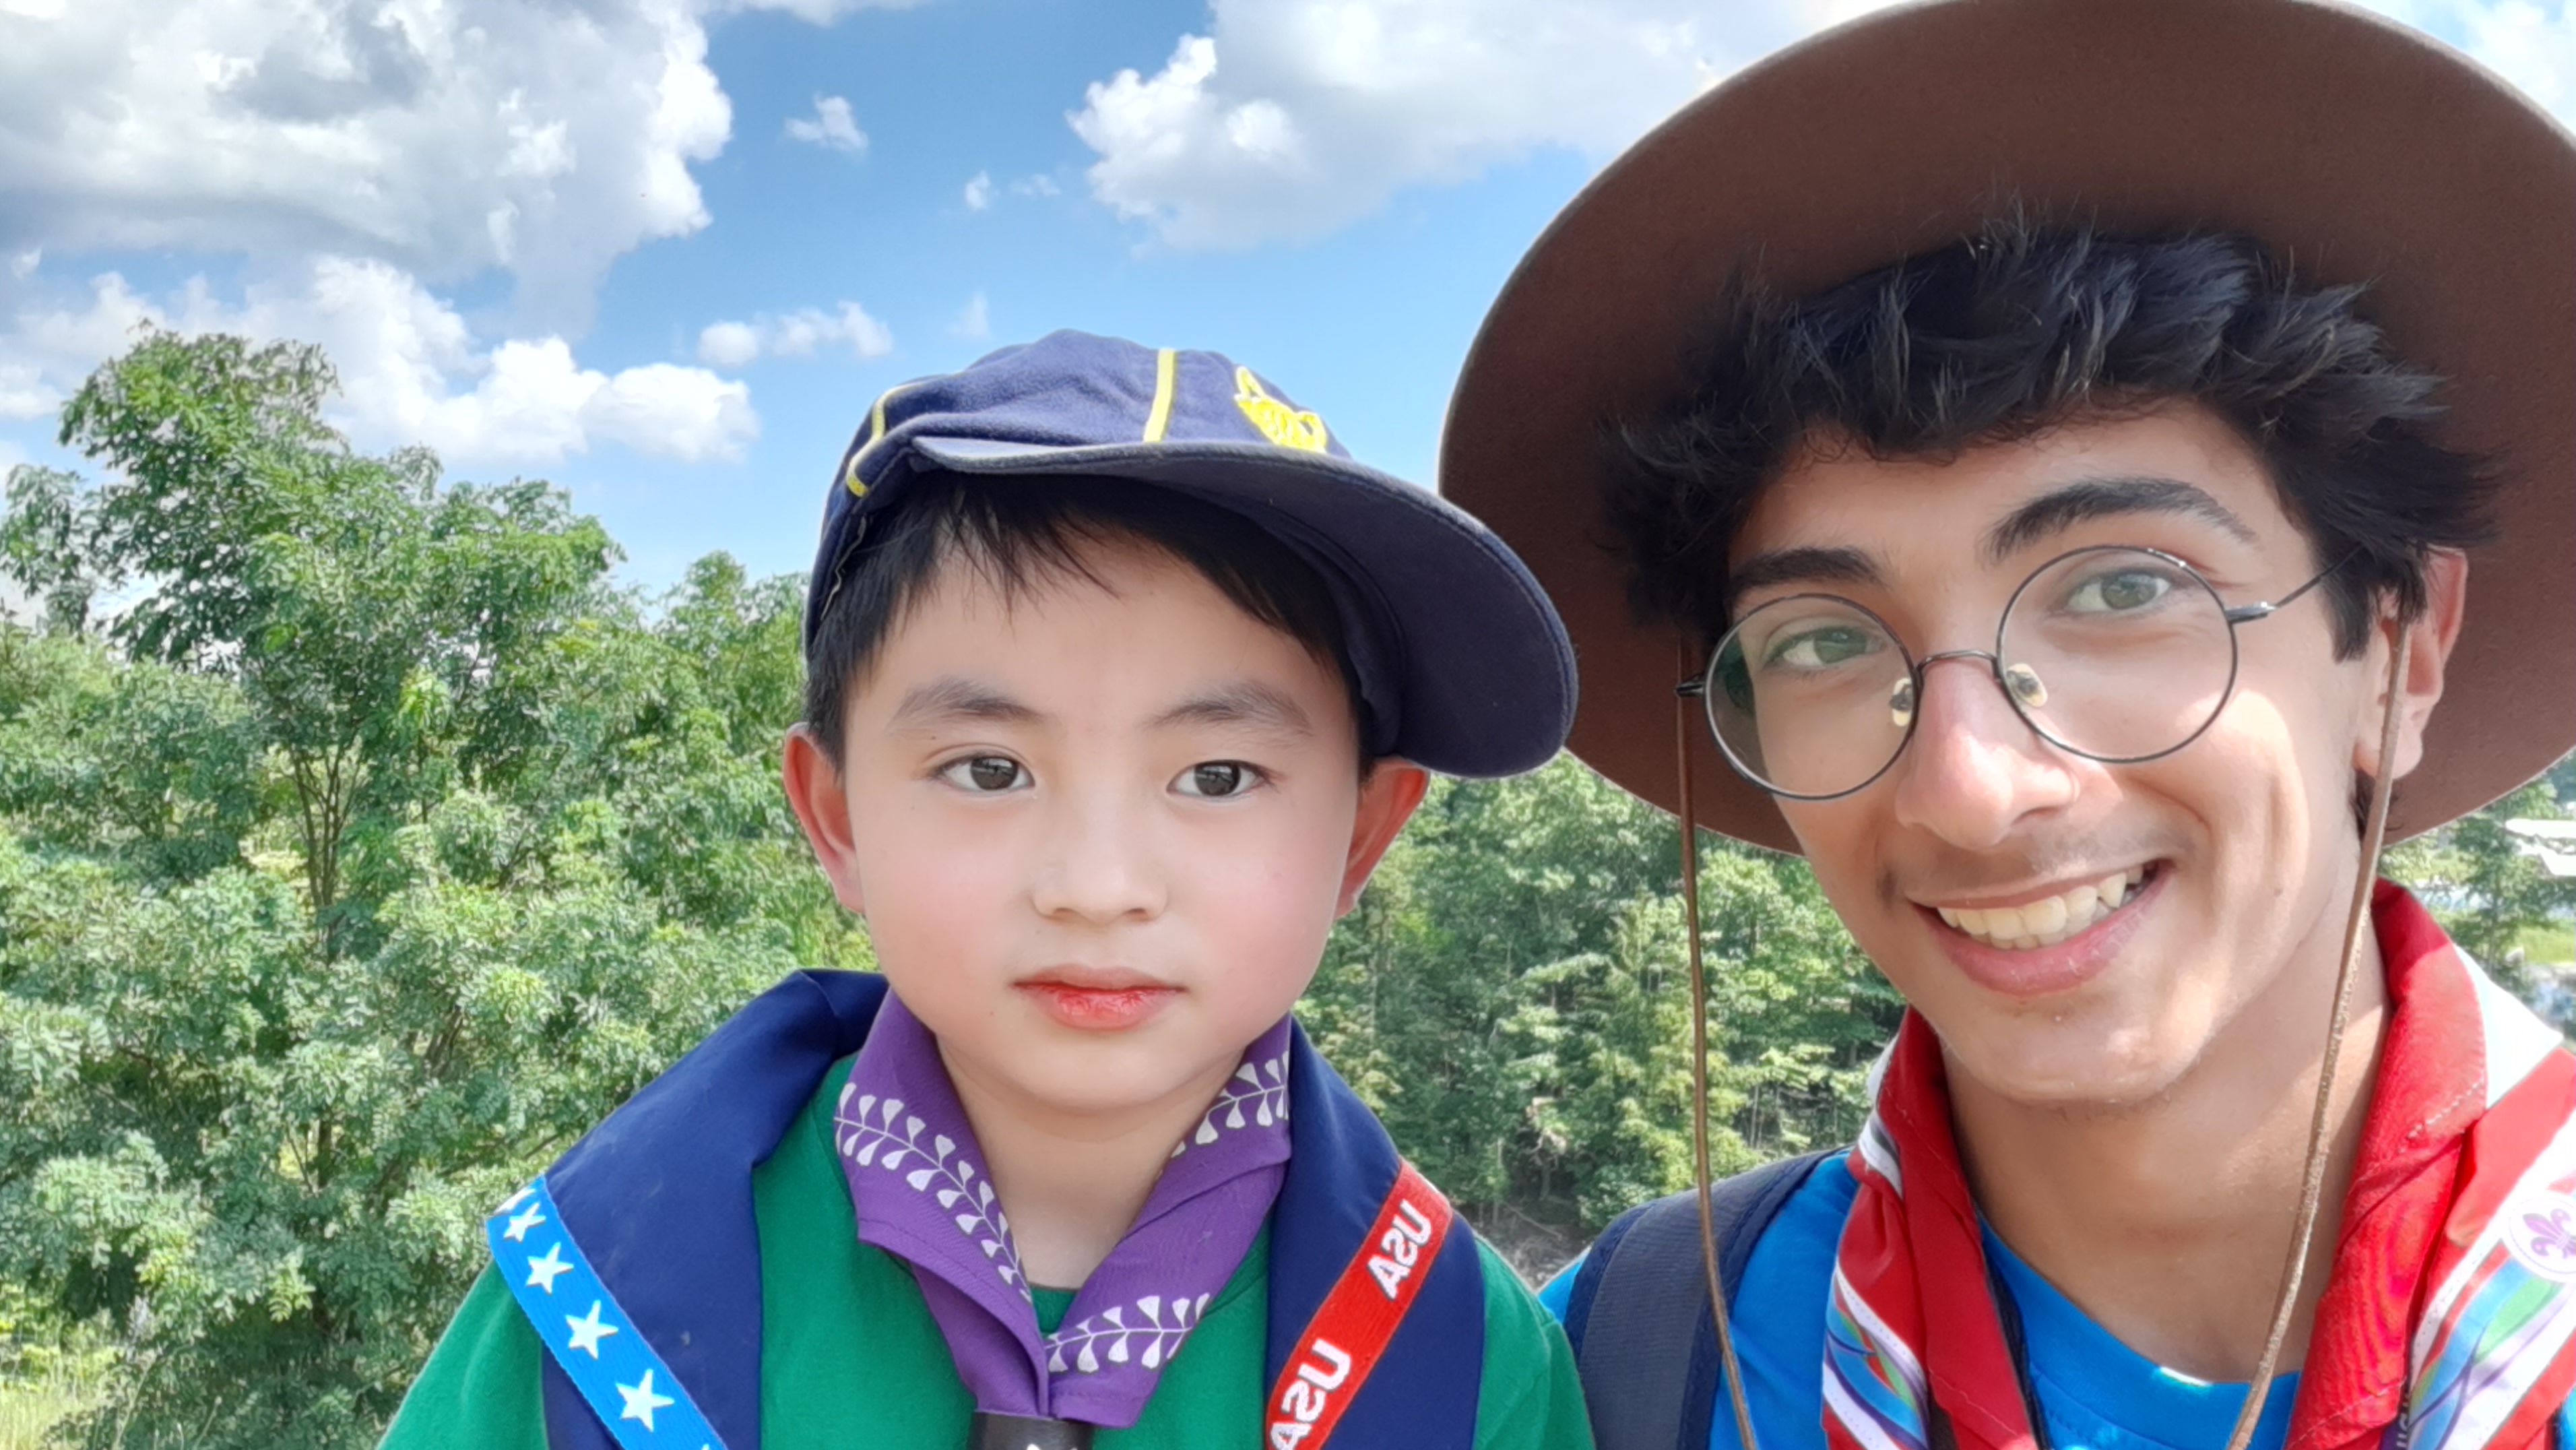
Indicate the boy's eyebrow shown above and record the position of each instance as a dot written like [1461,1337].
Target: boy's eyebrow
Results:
[1806,564]
[955,698]
[1240,702]
[2089,498]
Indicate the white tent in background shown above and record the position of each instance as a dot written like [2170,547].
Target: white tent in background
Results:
[2552,843]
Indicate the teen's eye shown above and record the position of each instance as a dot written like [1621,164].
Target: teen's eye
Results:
[2118,591]
[1822,646]
[985,774]
[1217,779]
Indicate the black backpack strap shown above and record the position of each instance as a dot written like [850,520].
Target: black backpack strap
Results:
[1638,1312]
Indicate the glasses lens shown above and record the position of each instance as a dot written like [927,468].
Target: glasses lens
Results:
[2118,654]
[1809,695]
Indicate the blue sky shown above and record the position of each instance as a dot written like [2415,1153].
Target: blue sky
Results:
[664,252]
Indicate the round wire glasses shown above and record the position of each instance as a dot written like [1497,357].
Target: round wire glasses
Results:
[2113,652]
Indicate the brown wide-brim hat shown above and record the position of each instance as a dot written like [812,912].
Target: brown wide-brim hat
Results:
[2358,149]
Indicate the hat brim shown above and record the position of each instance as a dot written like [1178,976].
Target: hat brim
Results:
[2357,148]
[1478,654]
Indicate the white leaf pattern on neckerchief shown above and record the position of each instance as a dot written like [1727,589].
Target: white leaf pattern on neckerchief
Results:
[1163,1325]
[938,1170]
[1264,1090]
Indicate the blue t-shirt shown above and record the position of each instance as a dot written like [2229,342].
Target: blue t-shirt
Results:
[2095,1393]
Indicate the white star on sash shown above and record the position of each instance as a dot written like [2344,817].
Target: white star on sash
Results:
[588,1332]
[640,1400]
[542,1272]
[522,1222]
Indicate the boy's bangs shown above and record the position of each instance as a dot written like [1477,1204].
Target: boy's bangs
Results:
[1020,537]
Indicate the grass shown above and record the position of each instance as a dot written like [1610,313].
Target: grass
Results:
[2543,944]
[28,1408]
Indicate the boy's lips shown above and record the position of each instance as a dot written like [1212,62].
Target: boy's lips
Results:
[1096,999]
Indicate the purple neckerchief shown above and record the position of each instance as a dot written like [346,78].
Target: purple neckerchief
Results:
[932,1205]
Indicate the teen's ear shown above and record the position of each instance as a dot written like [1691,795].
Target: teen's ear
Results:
[1387,799]
[814,790]
[2430,637]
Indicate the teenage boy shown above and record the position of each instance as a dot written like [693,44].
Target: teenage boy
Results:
[1121,675]
[2065,539]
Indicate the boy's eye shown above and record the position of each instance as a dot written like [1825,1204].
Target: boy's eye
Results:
[1217,779]
[985,774]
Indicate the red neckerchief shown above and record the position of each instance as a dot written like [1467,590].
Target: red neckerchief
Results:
[2453,1299]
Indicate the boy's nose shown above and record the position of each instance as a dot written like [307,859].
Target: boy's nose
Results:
[1098,866]
[1975,768]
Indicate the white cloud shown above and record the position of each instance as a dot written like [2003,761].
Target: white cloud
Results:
[728,344]
[448,137]
[830,126]
[979,191]
[975,320]
[2532,46]
[1038,185]
[798,334]
[1288,119]
[821,12]
[410,369]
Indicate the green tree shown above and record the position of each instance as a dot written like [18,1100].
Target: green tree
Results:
[2484,887]
[1512,995]
[363,861]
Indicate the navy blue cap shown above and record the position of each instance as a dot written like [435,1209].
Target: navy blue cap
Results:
[1462,664]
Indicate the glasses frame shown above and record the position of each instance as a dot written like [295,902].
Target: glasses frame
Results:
[1703,686]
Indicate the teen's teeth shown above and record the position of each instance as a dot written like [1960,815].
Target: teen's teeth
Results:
[2049,920]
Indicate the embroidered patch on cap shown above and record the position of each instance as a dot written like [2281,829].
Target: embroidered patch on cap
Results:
[1288,427]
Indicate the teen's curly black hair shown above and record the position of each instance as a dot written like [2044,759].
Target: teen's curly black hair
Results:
[2030,324]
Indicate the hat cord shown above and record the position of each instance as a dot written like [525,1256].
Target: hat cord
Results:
[2312,1176]
[1699,1067]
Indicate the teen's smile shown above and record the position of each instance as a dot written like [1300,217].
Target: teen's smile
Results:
[2031,942]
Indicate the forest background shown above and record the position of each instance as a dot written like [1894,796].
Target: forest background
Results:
[376,841]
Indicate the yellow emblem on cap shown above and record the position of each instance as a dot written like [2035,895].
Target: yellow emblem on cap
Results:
[1288,427]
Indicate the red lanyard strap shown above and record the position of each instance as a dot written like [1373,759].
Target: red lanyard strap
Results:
[1350,1330]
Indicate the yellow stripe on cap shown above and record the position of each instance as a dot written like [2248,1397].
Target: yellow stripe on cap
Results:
[1160,418]
[876,433]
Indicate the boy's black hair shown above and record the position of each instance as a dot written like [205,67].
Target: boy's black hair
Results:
[2028,325]
[1021,534]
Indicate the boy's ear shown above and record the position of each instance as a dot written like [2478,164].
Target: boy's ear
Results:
[814,790]
[1387,799]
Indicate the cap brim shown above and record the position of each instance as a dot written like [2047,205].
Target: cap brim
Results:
[2356,147]
[1485,675]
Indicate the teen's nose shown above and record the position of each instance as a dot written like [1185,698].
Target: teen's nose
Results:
[1097,863]
[1974,769]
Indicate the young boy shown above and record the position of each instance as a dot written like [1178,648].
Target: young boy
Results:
[1121,677]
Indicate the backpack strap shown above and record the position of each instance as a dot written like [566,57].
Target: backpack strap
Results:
[1351,1211]
[1638,1315]
[1350,1331]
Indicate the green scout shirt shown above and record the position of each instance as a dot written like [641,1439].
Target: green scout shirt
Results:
[852,1360]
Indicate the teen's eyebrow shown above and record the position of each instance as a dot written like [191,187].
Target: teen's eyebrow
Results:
[2093,498]
[1240,702]
[1802,565]
[955,699]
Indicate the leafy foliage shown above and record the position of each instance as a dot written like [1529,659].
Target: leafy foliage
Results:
[1513,998]
[2487,891]
[345,877]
